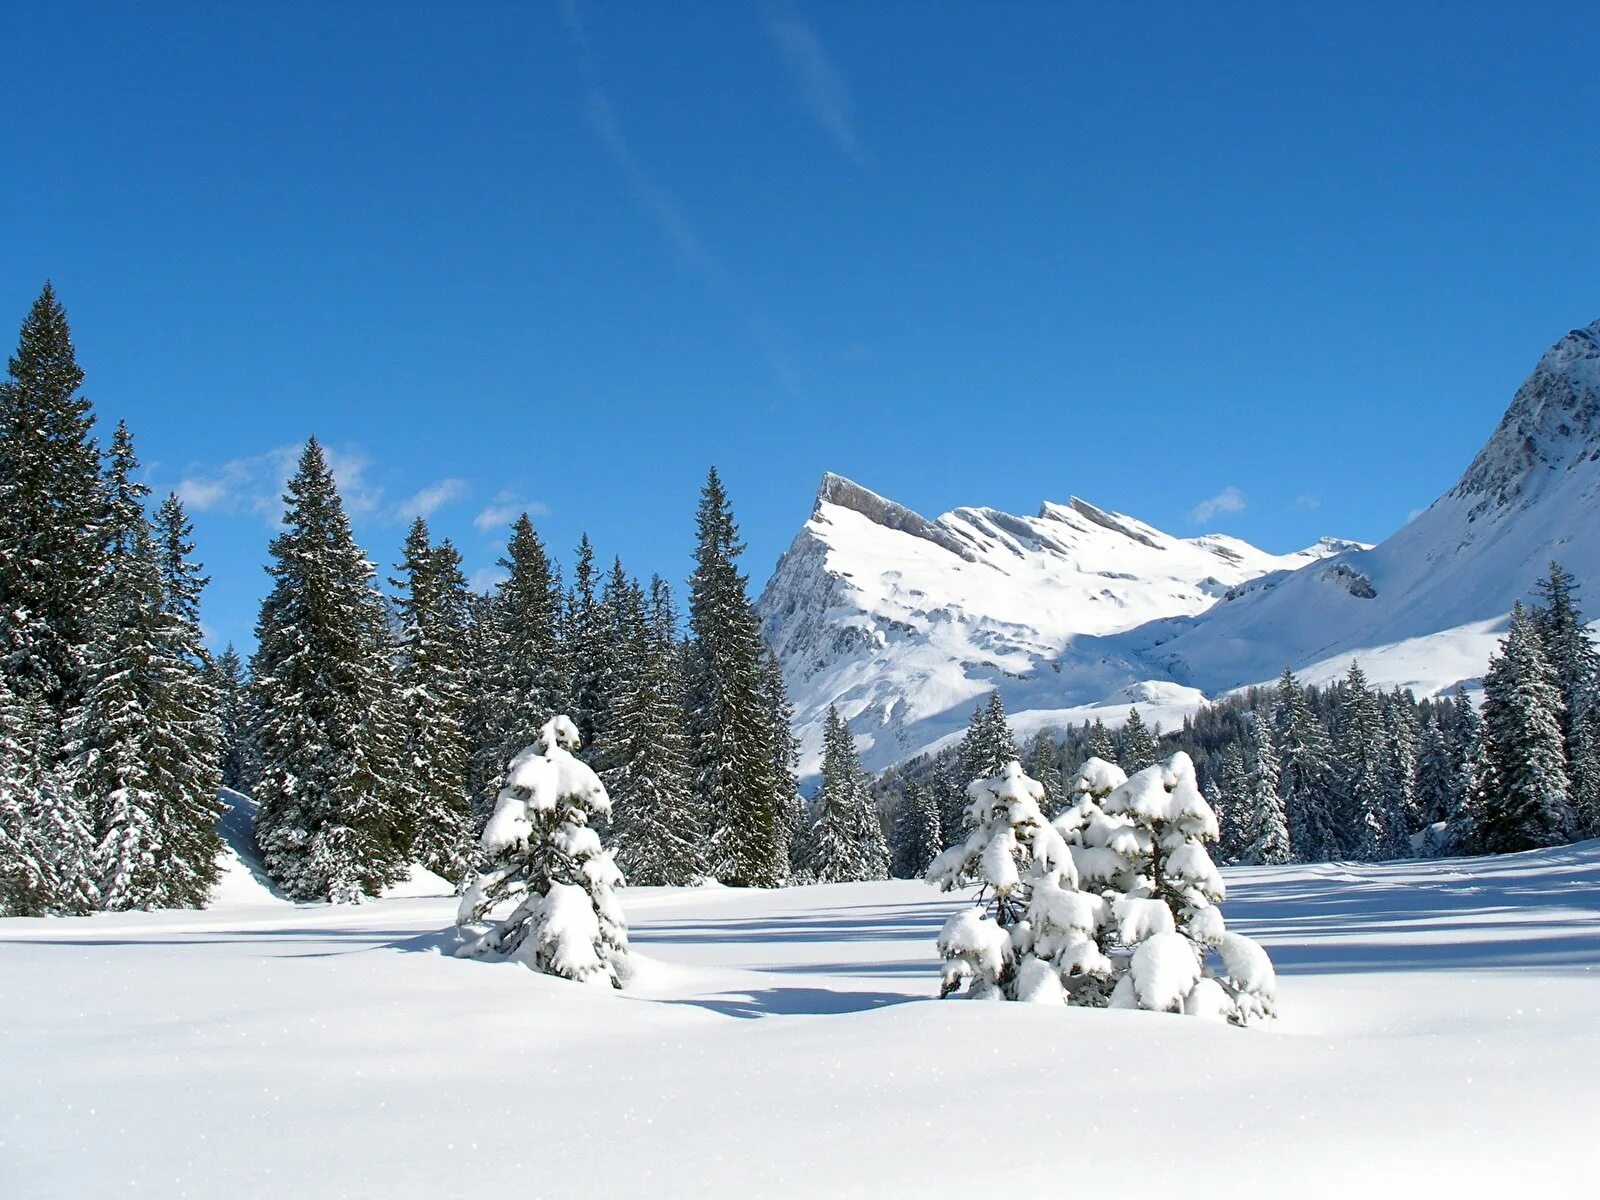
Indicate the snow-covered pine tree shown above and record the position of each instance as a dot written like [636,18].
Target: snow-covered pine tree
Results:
[519,677]
[1523,789]
[1575,659]
[1167,914]
[1305,772]
[328,735]
[730,726]
[229,684]
[1267,841]
[22,877]
[949,797]
[1374,829]
[1438,775]
[1042,762]
[51,555]
[988,746]
[1400,760]
[431,672]
[660,837]
[1137,745]
[917,832]
[544,854]
[845,843]
[186,750]
[785,751]
[586,651]
[1231,791]
[1098,742]
[1030,931]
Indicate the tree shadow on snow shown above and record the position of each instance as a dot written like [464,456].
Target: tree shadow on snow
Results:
[794,1002]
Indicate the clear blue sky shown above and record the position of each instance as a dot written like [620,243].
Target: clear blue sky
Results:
[496,254]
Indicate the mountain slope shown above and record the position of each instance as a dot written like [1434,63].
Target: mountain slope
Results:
[903,622]
[1424,608]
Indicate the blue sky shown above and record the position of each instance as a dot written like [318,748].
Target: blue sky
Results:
[498,255]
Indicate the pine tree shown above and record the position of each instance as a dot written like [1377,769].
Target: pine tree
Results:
[229,684]
[730,726]
[660,837]
[988,745]
[522,681]
[328,737]
[1098,743]
[1523,789]
[587,651]
[51,554]
[1305,773]
[1041,762]
[432,677]
[1267,839]
[845,843]
[1138,744]
[1231,792]
[22,876]
[1373,828]
[785,751]
[1575,659]
[1400,761]
[1438,775]
[543,851]
[917,832]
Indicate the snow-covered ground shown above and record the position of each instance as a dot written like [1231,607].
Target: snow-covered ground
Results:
[1439,1038]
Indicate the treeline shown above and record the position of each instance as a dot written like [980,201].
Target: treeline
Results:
[1301,773]
[373,726]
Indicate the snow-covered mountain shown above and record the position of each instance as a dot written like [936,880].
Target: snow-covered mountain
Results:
[903,622]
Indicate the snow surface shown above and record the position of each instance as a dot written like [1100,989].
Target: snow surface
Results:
[1437,1038]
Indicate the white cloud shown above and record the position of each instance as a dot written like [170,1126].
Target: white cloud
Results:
[821,86]
[1308,502]
[1228,500]
[486,579]
[505,508]
[254,485]
[432,498]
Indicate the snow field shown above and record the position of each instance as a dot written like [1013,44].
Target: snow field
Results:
[1438,1037]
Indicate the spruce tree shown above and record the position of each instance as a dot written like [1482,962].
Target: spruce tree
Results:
[1266,824]
[1230,793]
[587,651]
[432,677]
[916,832]
[845,842]
[229,684]
[51,552]
[659,833]
[1373,828]
[1138,744]
[1573,656]
[1041,762]
[730,726]
[988,745]
[785,750]
[1305,773]
[521,681]
[1098,743]
[22,876]
[1525,802]
[1400,760]
[327,736]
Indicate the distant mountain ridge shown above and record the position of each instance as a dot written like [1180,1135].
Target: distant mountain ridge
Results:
[904,621]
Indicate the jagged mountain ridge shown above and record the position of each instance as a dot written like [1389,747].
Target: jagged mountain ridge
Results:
[903,621]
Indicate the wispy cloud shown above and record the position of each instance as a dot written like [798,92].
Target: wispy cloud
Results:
[822,88]
[1228,500]
[254,484]
[432,498]
[662,207]
[1307,502]
[486,579]
[505,508]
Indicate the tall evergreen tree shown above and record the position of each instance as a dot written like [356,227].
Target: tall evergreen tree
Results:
[730,727]
[1575,660]
[1230,797]
[917,832]
[1523,791]
[328,737]
[51,553]
[22,875]
[1098,743]
[845,843]
[1138,744]
[659,833]
[1400,760]
[229,684]
[587,651]
[1042,762]
[1267,825]
[432,676]
[988,745]
[1373,828]
[1305,773]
